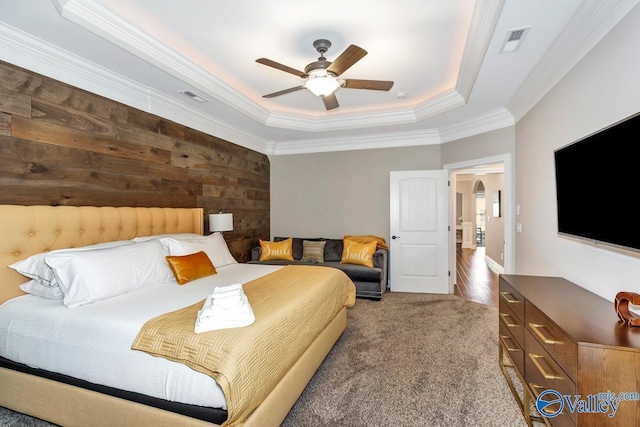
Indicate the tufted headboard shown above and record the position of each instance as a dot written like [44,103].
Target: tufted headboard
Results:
[29,230]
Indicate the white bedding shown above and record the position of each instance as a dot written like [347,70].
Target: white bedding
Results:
[93,341]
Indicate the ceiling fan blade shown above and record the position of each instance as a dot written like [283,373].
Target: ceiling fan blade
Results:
[282,92]
[367,84]
[278,66]
[346,59]
[330,101]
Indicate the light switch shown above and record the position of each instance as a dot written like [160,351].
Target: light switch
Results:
[519,227]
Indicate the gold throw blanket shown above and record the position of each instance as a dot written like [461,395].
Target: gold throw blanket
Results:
[291,306]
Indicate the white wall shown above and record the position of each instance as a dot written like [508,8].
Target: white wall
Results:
[603,88]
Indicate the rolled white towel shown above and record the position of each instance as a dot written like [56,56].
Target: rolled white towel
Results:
[210,319]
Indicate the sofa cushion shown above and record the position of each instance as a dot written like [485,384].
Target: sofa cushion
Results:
[358,273]
[333,250]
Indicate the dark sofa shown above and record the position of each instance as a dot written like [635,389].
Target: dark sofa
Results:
[370,282]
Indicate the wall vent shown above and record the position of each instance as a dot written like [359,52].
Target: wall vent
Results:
[193,96]
[513,40]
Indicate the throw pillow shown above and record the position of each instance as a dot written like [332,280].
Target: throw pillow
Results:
[313,251]
[358,253]
[380,241]
[190,267]
[276,250]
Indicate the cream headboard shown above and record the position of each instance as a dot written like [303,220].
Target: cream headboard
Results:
[29,230]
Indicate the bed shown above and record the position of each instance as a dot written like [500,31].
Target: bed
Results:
[63,399]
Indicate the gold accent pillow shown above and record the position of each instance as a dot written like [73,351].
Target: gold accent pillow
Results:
[358,253]
[276,250]
[190,267]
[368,238]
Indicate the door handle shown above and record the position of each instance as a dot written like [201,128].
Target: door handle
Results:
[395,237]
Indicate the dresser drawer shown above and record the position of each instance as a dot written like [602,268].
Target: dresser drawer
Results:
[509,320]
[563,419]
[563,350]
[543,373]
[512,348]
[512,299]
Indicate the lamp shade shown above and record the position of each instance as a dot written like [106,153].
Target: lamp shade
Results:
[221,222]
[321,84]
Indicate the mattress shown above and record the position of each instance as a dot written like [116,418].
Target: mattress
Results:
[93,342]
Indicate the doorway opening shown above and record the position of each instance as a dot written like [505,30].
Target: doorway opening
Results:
[480,212]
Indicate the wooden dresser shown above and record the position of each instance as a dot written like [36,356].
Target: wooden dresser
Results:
[558,336]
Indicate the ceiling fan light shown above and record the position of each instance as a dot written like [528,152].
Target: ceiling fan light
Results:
[321,84]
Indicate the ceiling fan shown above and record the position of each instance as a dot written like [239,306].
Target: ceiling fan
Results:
[322,76]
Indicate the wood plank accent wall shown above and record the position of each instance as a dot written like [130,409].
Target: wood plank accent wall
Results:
[60,145]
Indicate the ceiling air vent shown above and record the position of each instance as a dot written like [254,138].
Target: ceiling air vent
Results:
[514,39]
[193,96]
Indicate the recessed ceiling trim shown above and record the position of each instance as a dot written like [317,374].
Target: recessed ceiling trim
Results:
[36,55]
[439,104]
[341,123]
[483,24]
[586,28]
[103,21]
[360,142]
[493,120]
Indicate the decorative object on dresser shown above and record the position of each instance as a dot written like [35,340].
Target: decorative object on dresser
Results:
[621,304]
[369,274]
[570,352]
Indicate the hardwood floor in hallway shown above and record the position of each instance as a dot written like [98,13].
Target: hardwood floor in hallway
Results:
[474,279]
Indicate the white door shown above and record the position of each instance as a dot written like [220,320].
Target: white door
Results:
[419,250]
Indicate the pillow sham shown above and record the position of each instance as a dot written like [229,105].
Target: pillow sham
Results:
[358,253]
[177,236]
[313,251]
[38,289]
[190,267]
[37,269]
[213,245]
[93,275]
[276,250]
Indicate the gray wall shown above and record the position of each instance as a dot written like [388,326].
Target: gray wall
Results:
[333,194]
[600,90]
[338,193]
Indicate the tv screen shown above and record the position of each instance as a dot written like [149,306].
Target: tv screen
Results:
[597,186]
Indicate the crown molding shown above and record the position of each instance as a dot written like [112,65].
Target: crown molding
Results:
[483,24]
[493,120]
[99,19]
[592,21]
[360,142]
[23,50]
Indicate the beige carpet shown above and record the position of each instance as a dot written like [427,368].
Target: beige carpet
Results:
[408,360]
[412,360]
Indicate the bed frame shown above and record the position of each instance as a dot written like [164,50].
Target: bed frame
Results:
[28,230]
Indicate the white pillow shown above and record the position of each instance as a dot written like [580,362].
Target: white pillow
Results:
[213,245]
[38,289]
[92,275]
[177,236]
[37,269]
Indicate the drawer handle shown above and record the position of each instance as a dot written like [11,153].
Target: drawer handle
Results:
[503,340]
[508,297]
[535,388]
[536,328]
[534,358]
[504,316]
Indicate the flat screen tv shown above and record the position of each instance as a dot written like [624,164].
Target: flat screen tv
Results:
[597,186]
